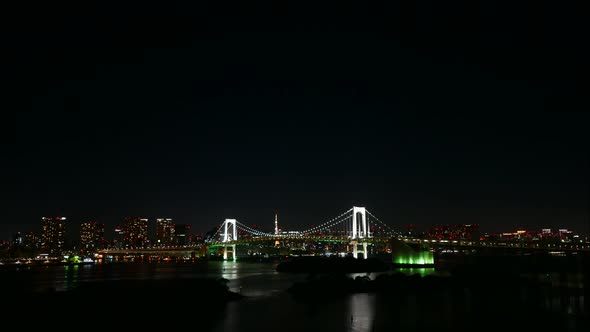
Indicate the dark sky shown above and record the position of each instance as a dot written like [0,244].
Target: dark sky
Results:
[424,112]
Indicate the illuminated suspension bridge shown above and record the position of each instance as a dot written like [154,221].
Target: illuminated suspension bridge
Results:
[356,227]
[357,230]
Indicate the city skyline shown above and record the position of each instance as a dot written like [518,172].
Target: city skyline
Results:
[246,166]
[73,228]
[423,116]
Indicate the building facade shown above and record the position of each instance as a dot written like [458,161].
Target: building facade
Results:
[91,237]
[165,235]
[136,232]
[53,235]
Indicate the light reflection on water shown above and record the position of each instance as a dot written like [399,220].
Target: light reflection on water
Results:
[361,311]
[267,305]
[252,279]
[353,313]
[421,271]
[70,279]
[261,312]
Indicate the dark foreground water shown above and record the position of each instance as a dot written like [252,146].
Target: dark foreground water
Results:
[250,279]
[267,306]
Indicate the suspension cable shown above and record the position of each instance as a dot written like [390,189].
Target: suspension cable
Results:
[313,229]
[387,228]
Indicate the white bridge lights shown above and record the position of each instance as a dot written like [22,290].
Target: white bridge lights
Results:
[233,236]
[360,231]
[229,235]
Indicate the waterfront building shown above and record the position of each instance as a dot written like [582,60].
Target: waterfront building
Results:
[182,234]
[53,235]
[136,232]
[165,235]
[91,236]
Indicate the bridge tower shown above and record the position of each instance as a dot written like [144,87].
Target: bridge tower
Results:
[360,232]
[277,227]
[232,235]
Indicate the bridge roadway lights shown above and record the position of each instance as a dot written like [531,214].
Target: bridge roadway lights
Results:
[356,251]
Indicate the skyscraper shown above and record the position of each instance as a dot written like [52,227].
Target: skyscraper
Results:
[136,232]
[53,235]
[119,237]
[32,241]
[91,236]
[164,232]
[182,234]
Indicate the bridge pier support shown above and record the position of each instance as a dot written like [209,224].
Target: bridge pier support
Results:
[360,232]
[363,249]
[233,251]
[230,234]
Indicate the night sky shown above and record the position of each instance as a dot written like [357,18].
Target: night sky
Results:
[428,112]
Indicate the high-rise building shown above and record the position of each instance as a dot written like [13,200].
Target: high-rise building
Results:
[196,239]
[119,237]
[565,235]
[467,232]
[91,236]
[53,235]
[182,234]
[164,232]
[32,240]
[136,232]
[17,239]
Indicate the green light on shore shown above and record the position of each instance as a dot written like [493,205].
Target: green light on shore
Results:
[415,258]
